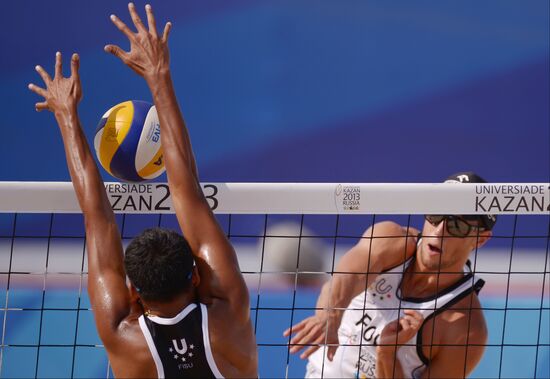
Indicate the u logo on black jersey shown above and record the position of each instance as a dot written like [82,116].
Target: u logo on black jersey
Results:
[183,348]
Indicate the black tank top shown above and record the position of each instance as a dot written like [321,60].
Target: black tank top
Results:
[180,346]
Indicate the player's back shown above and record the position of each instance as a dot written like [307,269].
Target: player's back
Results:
[197,342]
[180,345]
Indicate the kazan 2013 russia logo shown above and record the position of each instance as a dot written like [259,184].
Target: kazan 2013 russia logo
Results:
[348,197]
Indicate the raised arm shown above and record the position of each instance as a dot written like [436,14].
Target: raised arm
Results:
[216,260]
[106,277]
[382,246]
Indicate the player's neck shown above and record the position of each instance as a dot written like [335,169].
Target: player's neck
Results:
[171,308]
[422,281]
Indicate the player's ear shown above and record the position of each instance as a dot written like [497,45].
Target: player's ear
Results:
[483,238]
[134,294]
[195,277]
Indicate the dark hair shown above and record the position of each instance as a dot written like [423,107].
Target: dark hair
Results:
[159,264]
[488,221]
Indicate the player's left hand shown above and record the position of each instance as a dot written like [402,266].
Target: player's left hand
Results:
[398,332]
[61,94]
[148,55]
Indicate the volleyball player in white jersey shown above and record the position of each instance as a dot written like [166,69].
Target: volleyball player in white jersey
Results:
[172,320]
[415,314]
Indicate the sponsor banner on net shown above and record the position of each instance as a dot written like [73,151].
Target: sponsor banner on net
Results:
[512,198]
[295,198]
[348,197]
[139,197]
[442,198]
[149,197]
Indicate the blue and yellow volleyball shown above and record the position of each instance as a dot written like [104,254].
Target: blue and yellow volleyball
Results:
[127,142]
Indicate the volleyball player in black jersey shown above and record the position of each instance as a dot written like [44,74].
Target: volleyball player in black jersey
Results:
[174,319]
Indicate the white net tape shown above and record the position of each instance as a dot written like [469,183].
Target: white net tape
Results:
[295,198]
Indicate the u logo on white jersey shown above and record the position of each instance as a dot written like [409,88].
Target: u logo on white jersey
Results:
[183,348]
[382,288]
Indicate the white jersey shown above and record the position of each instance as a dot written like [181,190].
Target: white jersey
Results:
[370,311]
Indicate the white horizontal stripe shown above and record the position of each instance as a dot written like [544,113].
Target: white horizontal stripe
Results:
[294,198]
[173,320]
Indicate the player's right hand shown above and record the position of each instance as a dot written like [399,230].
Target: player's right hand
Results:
[400,331]
[148,55]
[313,332]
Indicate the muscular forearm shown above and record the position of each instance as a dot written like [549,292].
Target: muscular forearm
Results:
[387,364]
[334,298]
[90,192]
[345,284]
[175,137]
[106,284]
[336,295]
[85,176]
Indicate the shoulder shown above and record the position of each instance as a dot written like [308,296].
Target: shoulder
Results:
[466,322]
[460,325]
[127,344]
[232,359]
[127,332]
[391,232]
[389,243]
[458,340]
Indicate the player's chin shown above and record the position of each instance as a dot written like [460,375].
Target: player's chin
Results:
[432,262]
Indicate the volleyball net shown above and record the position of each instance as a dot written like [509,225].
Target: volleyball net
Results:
[288,238]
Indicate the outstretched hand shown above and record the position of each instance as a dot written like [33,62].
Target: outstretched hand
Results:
[313,332]
[148,55]
[61,94]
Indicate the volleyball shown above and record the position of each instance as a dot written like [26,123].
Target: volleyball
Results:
[127,142]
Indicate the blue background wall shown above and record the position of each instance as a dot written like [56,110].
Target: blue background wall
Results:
[305,91]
